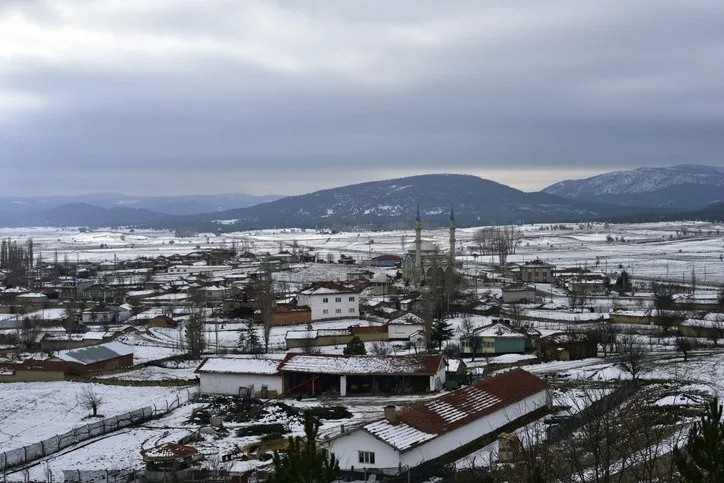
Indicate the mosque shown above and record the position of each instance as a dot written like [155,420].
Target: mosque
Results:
[420,262]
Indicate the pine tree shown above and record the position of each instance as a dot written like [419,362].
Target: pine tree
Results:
[702,459]
[623,282]
[441,331]
[355,347]
[249,339]
[304,462]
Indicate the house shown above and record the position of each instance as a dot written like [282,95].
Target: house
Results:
[343,375]
[163,321]
[566,347]
[426,431]
[32,300]
[330,300]
[710,327]
[315,338]
[98,293]
[516,293]
[31,370]
[102,357]
[582,280]
[100,314]
[256,376]
[287,314]
[402,327]
[346,260]
[382,285]
[496,338]
[387,261]
[536,271]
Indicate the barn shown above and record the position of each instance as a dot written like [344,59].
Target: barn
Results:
[102,357]
[253,375]
[347,375]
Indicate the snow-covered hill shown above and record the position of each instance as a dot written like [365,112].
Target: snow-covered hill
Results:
[685,187]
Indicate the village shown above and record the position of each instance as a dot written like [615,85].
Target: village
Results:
[422,354]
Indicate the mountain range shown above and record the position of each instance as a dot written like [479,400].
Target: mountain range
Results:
[683,187]
[687,191]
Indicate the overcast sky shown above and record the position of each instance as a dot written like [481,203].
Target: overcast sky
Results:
[180,97]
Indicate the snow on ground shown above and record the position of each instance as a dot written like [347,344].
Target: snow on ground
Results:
[33,411]
[152,373]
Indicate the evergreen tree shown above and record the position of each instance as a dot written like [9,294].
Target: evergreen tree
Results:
[249,339]
[441,331]
[304,462]
[355,347]
[702,459]
[623,282]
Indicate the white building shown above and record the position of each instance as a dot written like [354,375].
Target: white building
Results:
[426,431]
[330,300]
[197,268]
[402,327]
[240,375]
[518,293]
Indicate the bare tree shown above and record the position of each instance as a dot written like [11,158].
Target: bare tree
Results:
[381,348]
[28,332]
[632,356]
[89,399]
[263,292]
[498,241]
[684,345]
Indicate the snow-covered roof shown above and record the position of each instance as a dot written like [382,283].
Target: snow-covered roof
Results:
[498,330]
[715,316]
[424,421]
[399,436]
[301,334]
[703,323]
[240,365]
[32,295]
[334,364]
[95,353]
[407,319]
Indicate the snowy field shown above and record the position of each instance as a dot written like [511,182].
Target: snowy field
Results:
[649,249]
[33,411]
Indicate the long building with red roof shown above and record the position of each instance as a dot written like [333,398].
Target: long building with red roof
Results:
[428,430]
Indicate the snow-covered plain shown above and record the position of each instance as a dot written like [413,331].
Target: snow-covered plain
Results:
[650,249]
[33,411]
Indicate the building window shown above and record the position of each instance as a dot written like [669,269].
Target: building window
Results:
[351,311]
[351,299]
[325,300]
[338,299]
[338,311]
[325,311]
[367,457]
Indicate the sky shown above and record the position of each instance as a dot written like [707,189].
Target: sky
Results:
[169,97]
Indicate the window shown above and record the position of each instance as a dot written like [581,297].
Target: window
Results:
[338,311]
[325,311]
[338,299]
[351,299]
[325,300]
[367,457]
[351,311]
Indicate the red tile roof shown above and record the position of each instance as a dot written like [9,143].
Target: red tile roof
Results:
[465,405]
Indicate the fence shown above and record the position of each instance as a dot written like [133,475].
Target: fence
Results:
[47,447]
[97,476]
[595,410]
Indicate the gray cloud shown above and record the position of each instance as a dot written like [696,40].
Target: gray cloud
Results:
[173,97]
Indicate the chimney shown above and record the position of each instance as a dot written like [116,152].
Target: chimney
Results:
[390,414]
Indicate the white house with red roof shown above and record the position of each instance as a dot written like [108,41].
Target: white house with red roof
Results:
[428,430]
